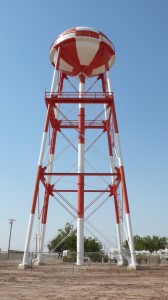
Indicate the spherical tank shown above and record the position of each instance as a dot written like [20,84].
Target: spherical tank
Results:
[82,50]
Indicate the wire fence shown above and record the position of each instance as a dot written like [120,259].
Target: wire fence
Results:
[90,258]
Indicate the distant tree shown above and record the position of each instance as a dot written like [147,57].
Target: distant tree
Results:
[153,243]
[139,244]
[67,240]
[92,245]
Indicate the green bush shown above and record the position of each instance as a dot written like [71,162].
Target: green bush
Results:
[142,259]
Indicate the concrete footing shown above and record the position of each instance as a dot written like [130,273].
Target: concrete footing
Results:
[37,263]
[23,267]
[133,267]
[34,262]
[120,264]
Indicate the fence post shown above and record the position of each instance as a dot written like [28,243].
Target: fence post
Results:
[110,263]
[31,262]
[149,260]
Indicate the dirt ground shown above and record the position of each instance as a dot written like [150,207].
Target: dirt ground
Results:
[96,281]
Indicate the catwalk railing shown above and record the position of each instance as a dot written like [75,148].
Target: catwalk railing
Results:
[74,98]
[97,95]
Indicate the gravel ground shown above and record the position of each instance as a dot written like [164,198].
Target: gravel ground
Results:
[67,281]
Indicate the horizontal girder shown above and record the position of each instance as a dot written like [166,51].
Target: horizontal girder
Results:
[66,99]
[85,191]
[76,174]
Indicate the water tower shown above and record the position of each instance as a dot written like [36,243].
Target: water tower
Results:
[81,53]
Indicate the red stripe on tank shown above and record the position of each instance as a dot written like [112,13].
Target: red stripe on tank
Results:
[69,54]
[100,59]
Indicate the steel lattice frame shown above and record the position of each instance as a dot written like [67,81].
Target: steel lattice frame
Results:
[45,172]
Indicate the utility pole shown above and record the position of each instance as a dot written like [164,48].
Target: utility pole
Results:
[11,223]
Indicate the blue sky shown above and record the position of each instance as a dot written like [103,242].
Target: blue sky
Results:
[139,31]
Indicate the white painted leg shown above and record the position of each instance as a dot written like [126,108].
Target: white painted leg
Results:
[109,82]
[53,84]
[50,167]
[40,257]
[119,246]
[80,241]
[81,157]
[131,243]
[26,263]
[42,149]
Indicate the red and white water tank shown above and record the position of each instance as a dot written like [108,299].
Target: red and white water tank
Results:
[82,50]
